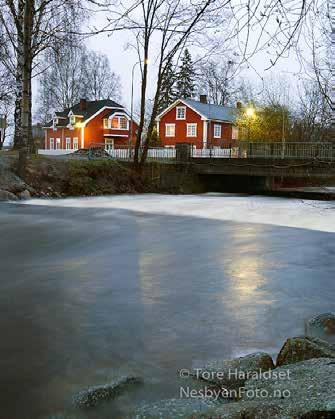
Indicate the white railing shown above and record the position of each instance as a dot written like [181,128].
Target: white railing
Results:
[60,152]
[153,153]
[214,153]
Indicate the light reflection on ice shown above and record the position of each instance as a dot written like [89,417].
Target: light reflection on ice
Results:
[313,215]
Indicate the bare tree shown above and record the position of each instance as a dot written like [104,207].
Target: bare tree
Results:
[99,80]
[73,72]
[218,80]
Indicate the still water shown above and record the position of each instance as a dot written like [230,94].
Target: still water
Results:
[91,289]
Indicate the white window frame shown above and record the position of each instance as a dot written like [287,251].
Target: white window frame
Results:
[234,134]
[219,127]
[72,119]
[189,130]
[58,143]
[68,143]
[167,127]
[105,123]
[118,116]
[52,143]
[75,143]
[180,108]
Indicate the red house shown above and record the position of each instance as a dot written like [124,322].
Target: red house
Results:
[203,124]
[88,123]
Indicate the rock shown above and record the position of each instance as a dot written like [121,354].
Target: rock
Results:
[94,395]
[24,195]
[233,373]
[7,196]
[308,391]
[321,326]
[302,348]
[173,409]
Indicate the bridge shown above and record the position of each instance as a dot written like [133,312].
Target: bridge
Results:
[250,166]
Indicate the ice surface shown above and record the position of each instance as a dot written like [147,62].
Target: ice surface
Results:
[313,215]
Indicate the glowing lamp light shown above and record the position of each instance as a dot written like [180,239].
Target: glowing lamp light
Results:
[250,112]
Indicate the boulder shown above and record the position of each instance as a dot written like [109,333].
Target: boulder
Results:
[24,195]
[308,391]
[7,196]
[302,348]
[173,409]
[233,373]
[92,396]
[321,326]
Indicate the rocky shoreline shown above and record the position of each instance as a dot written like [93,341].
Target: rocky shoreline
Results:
[300,384]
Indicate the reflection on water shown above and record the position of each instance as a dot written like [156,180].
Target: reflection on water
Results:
[115,292]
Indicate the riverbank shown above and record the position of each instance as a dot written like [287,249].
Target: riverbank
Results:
[59,177]
[76,176]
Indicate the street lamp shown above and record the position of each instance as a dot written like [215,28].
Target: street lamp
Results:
[250,112]
[146,61]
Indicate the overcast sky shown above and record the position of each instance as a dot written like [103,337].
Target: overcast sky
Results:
[122,58]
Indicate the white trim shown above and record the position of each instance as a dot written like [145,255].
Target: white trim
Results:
[168,109]
[191,126]
[68,143]
[118,115]
[205,135]
[220,129]
[116,135]
[51,141]
[82,137]
[58,141]
[101,110]
[174,130]
[157,127]
[177,109]
[75,140]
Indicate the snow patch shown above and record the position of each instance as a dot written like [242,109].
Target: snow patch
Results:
[312,215]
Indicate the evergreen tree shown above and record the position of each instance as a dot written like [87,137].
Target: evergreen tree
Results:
[167,92]
[186,77]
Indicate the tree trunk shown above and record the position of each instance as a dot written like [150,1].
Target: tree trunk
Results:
[17,144]
[143,97]
[26,87]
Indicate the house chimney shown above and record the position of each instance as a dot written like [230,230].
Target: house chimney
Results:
[203,98]
[239,105]
[83,104]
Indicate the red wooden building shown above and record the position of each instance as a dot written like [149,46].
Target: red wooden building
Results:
[88,123]
[198,122]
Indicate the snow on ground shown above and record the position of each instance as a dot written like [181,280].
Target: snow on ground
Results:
[313,215]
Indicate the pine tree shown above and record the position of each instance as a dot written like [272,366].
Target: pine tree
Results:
[186,77]
[167,91]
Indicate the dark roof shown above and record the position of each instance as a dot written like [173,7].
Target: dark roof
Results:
[92,107]
[214,112]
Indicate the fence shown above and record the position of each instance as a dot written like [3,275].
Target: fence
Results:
[292,150]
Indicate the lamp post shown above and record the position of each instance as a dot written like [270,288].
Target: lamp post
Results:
[250,112]
[132,103]
[131,108]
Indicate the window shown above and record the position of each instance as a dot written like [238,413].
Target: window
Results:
[105,123]
[68,143]
[181,112]
[119,122]
[170,130]
[72,119]
[234,133]
[191,130]
[217,131]
[58,144]
[52,144]
[75,143]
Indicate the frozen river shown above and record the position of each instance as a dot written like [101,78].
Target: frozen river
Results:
[92,288]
